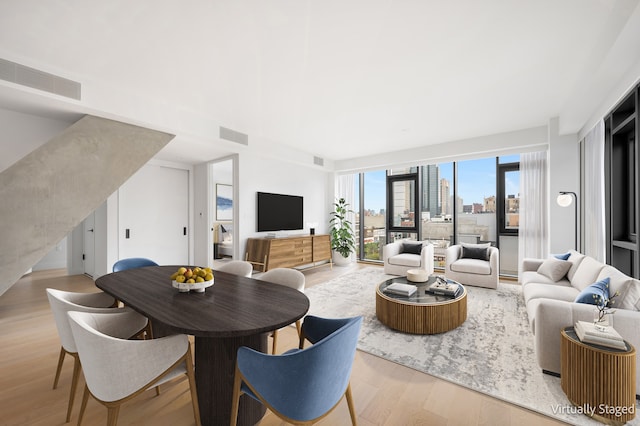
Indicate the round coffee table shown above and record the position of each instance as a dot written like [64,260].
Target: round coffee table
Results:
[420,313]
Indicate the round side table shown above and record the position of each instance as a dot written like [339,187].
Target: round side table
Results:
[600,380]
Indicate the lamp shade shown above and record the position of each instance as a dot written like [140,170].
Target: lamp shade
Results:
[564,200]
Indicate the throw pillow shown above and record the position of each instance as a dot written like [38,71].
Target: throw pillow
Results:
[564,256]
[594,293]
[471,252]
[554,269]
[412,248]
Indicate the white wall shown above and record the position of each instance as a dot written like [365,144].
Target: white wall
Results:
[55,259]
[22,133]
[281,177]
[564,166]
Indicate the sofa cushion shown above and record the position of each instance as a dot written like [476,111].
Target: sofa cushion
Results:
[587,273]
[554,269]
[575,258]
[549,291]
[632,298]
[595,294]
[472,266]
[533,277]
[405,259]
[411,248]
[618,283]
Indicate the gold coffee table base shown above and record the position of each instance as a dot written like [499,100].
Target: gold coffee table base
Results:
[421,318]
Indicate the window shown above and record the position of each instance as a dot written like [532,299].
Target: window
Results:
[509,197]
[476,201]
[373,196]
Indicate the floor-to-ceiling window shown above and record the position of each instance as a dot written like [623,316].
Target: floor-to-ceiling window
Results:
[473,201]
[436,220]
[476,201]
[373,212]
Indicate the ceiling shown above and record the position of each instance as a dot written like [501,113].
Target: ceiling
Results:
[336,79]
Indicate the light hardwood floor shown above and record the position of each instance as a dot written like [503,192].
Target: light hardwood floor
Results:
[385,393]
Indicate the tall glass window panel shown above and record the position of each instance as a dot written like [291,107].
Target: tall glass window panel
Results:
[436,217]
[476,201]
[512,200]
[403,204]
[374,220]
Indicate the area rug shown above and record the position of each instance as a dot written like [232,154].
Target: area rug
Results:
[491,352]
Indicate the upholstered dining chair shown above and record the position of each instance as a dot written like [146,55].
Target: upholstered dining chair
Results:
[131,263]
[237,267]
[287,277]
[117,370]
[301,386]
[62,302]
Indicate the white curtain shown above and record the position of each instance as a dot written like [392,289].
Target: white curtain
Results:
[594,221]
[533,234]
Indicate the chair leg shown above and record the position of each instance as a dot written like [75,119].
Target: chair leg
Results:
[112,415]
[192,386]
[74,384]
[352,408]
[83,406]
[235,401]
[275,341]
[60,361]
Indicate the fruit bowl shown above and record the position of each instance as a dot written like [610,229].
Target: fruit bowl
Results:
[197,287]
[197,279]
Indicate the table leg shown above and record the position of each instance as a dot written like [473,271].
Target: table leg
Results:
[215,366]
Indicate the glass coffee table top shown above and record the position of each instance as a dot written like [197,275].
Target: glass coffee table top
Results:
[420,297]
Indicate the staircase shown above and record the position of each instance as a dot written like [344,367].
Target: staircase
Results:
[50,191]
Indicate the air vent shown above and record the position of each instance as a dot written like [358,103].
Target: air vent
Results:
[234,136]
[36,79]
[318,161]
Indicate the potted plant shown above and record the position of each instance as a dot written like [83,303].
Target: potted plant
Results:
[342,240]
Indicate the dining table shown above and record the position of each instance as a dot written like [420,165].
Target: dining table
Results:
[235,311]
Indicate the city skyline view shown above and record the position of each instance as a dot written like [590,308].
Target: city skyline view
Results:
[476,181]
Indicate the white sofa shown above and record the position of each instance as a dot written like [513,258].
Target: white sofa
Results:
[473,271]
[551,307]
[400,256]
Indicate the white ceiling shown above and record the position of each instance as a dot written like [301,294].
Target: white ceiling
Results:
[334,78]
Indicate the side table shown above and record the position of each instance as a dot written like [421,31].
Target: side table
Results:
[599,380]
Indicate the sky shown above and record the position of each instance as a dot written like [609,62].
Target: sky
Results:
[476,180]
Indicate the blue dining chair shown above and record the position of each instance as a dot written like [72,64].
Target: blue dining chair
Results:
[301,386]
[131,263]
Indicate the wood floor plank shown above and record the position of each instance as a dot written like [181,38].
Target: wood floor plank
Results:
[385,393]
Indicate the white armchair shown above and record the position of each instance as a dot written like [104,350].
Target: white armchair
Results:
[472,268]
[400,256]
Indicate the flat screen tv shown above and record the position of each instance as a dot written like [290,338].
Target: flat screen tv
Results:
[279,212]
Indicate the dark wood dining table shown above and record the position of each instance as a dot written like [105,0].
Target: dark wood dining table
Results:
[234,312]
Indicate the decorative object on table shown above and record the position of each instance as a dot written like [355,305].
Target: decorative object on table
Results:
[598,335]
[401,289]
[604,303]
[342,239]
[445,287]
[418,275]
[197,279]
[224,202]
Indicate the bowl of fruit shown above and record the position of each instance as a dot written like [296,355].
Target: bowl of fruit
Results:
[197,279]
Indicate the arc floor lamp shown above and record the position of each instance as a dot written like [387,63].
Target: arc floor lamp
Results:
[564,200]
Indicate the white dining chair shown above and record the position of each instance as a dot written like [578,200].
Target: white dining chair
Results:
[287,277]
[117,370]
[62,302]
[237,267]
